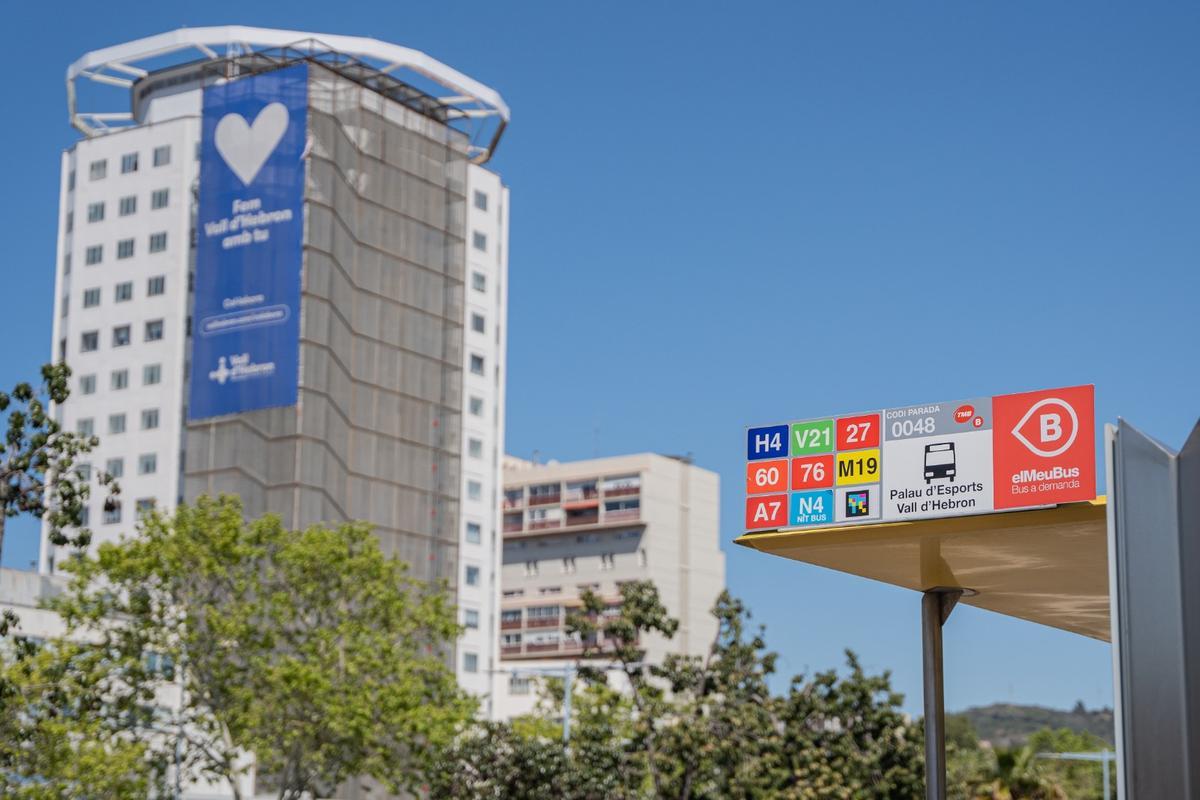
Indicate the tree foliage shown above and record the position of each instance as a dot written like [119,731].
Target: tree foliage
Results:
[56,740]
[692,728]
[309,649]
[39,460]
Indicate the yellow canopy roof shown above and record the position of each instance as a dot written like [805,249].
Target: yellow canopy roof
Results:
[1047,565]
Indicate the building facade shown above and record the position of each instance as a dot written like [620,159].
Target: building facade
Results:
[594,525]
[400,413]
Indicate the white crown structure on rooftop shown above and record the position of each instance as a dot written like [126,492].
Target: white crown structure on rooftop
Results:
[467,105]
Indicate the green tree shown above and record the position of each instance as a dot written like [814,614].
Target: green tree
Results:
[309,649]
[56,742]
[38,462]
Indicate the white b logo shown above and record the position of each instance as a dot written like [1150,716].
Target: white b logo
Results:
[1050,431]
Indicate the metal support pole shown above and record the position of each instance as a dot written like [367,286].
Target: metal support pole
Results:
[568,690]
[1105,763]
[936,605]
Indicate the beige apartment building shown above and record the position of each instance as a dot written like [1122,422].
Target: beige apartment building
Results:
[595,524]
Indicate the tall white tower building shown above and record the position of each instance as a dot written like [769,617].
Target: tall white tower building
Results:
[398,412]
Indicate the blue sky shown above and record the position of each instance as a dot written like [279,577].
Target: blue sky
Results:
[725,214]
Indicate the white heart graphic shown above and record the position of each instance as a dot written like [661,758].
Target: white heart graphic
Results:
[246,148]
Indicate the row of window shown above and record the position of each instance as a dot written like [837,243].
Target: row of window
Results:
[608,561]
[86,426]
[119,379]
[126,206]
[89,341]
[98,170]
[94,254]
[112,511]
[122,292]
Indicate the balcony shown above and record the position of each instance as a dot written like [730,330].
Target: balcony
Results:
[543,524]
[542,622]
[513,527]
[591,517]
[549,647]
[510,650]
[509,624]
[622,491]
[580,495]
[513,502]
[622,514]
[544,499]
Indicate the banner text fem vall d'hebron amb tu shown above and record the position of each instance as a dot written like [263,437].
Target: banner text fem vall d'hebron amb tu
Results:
[935,460]
[250,225]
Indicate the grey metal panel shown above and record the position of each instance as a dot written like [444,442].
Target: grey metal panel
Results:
[1156,507]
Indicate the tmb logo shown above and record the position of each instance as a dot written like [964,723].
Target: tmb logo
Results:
[1044,448]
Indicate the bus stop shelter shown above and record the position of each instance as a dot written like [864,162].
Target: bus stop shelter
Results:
[1046,565]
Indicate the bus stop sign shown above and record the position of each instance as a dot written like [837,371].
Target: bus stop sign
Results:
[972,456]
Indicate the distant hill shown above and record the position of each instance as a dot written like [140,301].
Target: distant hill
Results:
[1006,724]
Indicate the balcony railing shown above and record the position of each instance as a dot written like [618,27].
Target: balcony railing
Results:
[549,647]
[621,491]
[543,499]
[508,624]
[542,524]
[542,622]
[514,502]
[512,527]
[584,519]
[510,650]
[575,495]
[621,514]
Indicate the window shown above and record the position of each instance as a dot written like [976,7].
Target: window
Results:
[116,423]
[154,330]
[542,612]
[70,221]
[127,205]
[587,587]
[471,618]
[91,297]
[510,616]
[641,556]
[478,324]
[474,490]
[480,200]
[112,513]
[125,248]
[120,336]
[159,198]
[511,593]
[115,467]
[474,533]
[119,379]
[84,471]
[151,374]
[531,569]
[67,264]
[65,305]
[128,163]
[89,341]
[476,364]
[94,254]
[479,281]
[472,577]
[475,448]
[479,241]
[145,505]
[149,419]
[607,561]
[87,384]
[470,662]
[85,426]
[96,212]
[568,565]
[97,170]
[158,242]
[156,286]
[71,181]
[123,291]
[147,463]
[476,406]
[162,155]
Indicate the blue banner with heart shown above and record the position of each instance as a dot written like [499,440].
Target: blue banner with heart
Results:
[249,247]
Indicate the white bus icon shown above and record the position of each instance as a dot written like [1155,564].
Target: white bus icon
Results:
[939,461]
